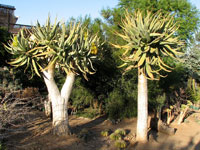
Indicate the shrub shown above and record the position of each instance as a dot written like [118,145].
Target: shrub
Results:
[120,144]
[106,132]
[122,101]
[115,136]
[81,97]
[88,113]
[115,105]
[121,132]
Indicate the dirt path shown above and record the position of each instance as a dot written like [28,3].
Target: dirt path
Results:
[37,136]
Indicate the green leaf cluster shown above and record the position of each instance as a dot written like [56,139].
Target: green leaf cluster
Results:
[150,38]
[186,14]
[71,48]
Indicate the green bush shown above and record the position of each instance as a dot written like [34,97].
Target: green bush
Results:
[193,90]
[7,81]
[88,113]
[121,132]
[81,97]
[115,136]
[121,144]
[122,101]
[106,132]
[115,105]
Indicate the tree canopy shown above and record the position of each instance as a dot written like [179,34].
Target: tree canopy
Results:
[149,39]
[192,59]
[184,13]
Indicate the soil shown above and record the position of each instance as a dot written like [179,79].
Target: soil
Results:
[36,135]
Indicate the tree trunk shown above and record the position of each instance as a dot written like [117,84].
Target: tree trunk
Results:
[59,101]
[142,114]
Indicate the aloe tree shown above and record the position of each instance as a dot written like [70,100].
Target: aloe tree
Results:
[149,41]
[56,46]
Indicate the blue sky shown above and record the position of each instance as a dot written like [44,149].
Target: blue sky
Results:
[29,11]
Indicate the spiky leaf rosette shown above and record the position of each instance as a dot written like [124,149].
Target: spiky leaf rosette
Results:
[150,38]
[79,49]
[70,48]
[23,50]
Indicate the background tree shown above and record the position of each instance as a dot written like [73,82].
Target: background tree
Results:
[149,41]
[184,12]
[193,56]
[69,49]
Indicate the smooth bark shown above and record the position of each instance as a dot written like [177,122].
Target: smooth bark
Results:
[142,114]
[59,101]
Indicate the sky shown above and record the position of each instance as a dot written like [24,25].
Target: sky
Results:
[29,11]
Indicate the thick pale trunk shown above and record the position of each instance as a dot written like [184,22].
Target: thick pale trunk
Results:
[142,114]
[59,101]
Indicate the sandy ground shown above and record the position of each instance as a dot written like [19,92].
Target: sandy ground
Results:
[36,135]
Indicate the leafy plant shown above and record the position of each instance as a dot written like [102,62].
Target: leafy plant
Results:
[193,90]
[120,131]
[69,48]
[115,102]
[106,132]
[121,144]
[81,97]
[115,136]
[149,40]
[88,113]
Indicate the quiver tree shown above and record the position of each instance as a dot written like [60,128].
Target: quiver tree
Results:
[149,41]
[46,48]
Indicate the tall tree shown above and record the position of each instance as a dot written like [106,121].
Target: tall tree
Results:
[184,12]
[70,48]
[192,59]
[149,41]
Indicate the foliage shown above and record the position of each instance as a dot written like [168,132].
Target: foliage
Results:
[4,38]
[175,79]
[106,132]
[88,113]
[8,81]
[81,97]
[120,144]
[71,48]
[149,40]
[103,81]
[121,102]
[158,101]
[120,131]
[184,12]
[192,58]
[115,102]
[114,136]
[193,90]
[180,74]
